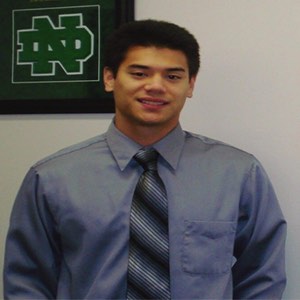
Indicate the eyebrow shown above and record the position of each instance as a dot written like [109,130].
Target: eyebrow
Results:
[143,67]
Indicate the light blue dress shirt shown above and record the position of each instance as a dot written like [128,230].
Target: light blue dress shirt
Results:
[69,229]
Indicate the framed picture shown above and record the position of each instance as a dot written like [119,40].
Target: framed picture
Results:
[51,54]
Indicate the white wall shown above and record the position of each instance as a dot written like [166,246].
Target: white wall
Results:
[247,95]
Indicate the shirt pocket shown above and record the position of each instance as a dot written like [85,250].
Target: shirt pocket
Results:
[208,247]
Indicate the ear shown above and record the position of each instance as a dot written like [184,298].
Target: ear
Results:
[191,88]
[109,79]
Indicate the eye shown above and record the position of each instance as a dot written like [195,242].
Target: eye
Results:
[138,74]
[173,77]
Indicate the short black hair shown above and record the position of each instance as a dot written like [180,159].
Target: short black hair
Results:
[149,33]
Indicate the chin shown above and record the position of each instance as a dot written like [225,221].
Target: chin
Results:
[150,121]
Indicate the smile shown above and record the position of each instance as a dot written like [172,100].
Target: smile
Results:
[155,102]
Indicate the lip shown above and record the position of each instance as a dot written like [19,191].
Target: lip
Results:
[152,102]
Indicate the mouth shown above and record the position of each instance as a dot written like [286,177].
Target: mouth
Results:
[152,101]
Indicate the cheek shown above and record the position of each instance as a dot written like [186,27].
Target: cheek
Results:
[124,95]
[182,94]
[127,88]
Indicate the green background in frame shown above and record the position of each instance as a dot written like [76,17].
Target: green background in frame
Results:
[52,49]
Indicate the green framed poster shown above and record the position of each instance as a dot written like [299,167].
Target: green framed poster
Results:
[50,54]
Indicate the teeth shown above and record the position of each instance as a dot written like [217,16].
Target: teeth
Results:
[152,102]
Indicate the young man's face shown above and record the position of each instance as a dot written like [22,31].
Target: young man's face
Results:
[150,88]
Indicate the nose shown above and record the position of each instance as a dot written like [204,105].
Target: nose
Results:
[155,84]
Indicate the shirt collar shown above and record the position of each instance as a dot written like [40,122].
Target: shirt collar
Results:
[124,148]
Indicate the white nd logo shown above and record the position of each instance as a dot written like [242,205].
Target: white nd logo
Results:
[44,46]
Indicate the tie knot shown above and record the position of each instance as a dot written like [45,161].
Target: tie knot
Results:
[147,158]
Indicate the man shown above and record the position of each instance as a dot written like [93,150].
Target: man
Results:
[71,230]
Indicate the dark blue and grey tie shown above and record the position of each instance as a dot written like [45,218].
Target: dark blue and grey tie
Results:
[148,269]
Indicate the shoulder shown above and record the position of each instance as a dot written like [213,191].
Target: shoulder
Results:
[218,153]
[208,144]
[74,154]
[224,158]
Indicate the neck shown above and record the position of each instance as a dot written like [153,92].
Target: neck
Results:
[145,135]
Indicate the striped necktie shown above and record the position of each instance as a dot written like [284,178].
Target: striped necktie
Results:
[148,269]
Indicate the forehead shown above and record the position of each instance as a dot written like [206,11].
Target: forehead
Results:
[155,57]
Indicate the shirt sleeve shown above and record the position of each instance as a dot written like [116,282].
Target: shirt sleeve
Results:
[259,272]
[32,247]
